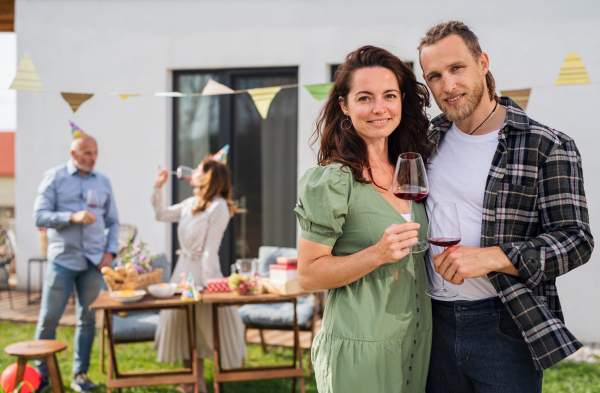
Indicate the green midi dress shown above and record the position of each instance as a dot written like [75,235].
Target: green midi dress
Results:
[376,333]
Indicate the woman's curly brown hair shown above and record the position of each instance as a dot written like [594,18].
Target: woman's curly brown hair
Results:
[347,146]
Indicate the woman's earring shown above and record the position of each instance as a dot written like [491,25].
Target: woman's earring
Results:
[349,125]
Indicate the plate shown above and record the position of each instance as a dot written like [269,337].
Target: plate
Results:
[138,295]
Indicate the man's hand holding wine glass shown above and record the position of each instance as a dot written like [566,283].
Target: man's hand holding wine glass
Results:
[83,217]
[460,262]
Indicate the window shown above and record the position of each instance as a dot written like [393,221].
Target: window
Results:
[262,156]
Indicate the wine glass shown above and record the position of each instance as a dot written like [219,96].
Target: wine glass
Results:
[410,183]
[92,198]
[183,172]
[443,231]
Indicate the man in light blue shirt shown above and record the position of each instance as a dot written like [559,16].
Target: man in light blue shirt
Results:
[77,206]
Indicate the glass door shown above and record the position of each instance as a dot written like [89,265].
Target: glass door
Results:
[262,156]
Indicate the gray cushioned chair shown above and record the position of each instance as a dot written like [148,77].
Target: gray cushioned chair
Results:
[135,326]
[280,316]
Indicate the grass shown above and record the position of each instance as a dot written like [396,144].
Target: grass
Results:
[565,377]
[140,356]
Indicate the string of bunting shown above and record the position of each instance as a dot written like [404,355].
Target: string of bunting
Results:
[572,72]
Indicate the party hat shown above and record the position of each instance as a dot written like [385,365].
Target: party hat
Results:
[222,155]
[76,132]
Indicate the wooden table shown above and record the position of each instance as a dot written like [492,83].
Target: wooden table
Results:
[293,370]
[118,380]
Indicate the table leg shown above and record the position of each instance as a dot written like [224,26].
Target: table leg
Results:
[216,357]
[190,313]
[55,378]
[21,363]
[28,282]
[297,347]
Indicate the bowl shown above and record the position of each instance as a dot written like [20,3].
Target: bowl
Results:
[163,290]
[138,294]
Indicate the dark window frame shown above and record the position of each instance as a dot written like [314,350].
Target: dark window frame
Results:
[226,122]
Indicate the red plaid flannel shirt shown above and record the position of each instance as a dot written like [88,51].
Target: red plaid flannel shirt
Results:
[535,210]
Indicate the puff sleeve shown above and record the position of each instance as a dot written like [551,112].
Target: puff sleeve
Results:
[323,203]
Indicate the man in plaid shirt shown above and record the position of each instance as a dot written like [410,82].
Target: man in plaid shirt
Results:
[518,188]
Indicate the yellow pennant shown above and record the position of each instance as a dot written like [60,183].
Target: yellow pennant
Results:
[76,99]
[126,96]
[572,72]
[263,97]
[521,97]
[27,78]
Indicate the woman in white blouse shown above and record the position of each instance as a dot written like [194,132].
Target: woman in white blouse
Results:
[202,219]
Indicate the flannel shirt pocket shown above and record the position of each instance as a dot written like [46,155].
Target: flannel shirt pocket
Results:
[517,215]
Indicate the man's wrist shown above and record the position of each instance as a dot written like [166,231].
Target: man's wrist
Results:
[503,264]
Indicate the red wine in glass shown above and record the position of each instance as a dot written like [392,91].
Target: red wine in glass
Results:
[410,196]
[443,231]
[410,183]
[444,241]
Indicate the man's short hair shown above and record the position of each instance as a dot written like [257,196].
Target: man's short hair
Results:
[445,29]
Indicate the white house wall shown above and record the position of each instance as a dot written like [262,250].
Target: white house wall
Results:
[132,46]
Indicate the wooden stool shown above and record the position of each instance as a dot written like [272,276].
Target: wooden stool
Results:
[38,350]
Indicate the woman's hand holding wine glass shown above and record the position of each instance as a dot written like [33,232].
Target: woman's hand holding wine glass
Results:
[395,241]
[161,178]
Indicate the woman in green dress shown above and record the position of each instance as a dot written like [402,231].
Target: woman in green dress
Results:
[376,333]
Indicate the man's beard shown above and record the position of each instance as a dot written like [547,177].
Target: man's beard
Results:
[473,99]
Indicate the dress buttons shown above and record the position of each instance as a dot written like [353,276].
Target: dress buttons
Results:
[417,309]
[417,295]
[458,308]
[416,281]
[417,325]
[415,341]
[408,382]
[412,355]
[410,368]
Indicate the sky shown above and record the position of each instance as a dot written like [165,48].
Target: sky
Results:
[8,69]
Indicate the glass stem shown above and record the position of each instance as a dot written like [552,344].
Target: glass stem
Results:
[409,210]
[443,288]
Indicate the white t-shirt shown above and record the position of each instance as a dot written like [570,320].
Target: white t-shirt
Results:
[458,172]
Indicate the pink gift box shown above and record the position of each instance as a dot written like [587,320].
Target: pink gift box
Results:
[218,285]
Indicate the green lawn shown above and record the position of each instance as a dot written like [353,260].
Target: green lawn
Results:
[566,377]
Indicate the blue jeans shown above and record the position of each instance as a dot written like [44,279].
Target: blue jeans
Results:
[477,347]
[58,285]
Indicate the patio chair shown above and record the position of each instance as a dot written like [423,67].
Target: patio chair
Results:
[135,326]
[7,254]
[280,316]
[127,233]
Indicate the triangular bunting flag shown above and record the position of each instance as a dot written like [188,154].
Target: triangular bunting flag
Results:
[215,88]
[572,72]
[170,94]
[319,91]
[27,78]
[76,99]
[262,98]
[126,96]
[521,97]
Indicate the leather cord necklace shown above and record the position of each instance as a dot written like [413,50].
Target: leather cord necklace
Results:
[493,110]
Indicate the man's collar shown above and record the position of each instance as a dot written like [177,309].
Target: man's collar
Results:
[72,169]
[516,118]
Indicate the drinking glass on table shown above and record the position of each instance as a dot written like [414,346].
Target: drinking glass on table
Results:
[410,183]
[443,231]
